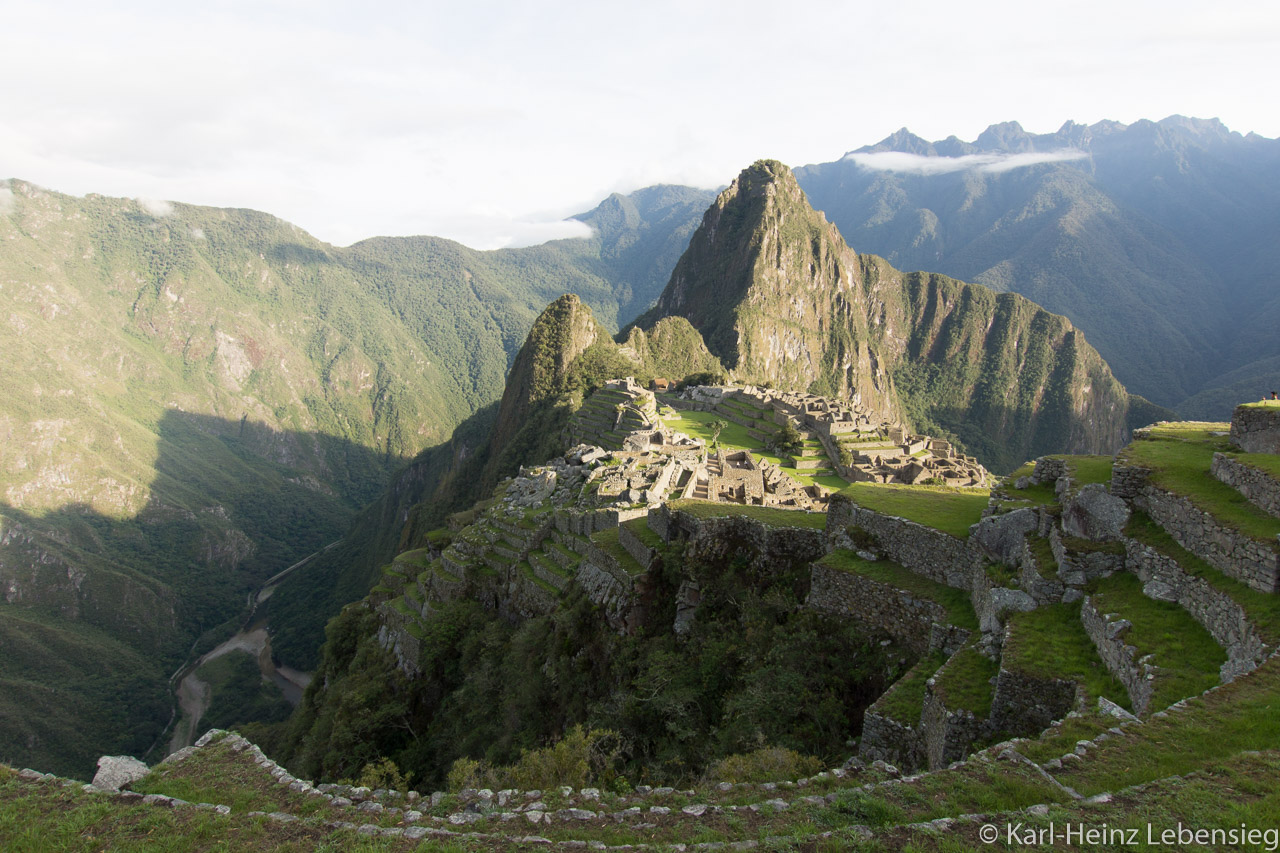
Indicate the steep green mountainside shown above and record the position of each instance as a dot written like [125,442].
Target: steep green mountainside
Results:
[196,398]
[1154,238]
[779,297]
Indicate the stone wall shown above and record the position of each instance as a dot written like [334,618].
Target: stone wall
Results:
[1078,566]
[1026,705]
[1044,590]
[991,603]
[1048,470]
[946,734]
[921,549]
[607,592]
[1256,429]
[885,739]
[768,549]
[640,552]
[1218,612]
[1262,490]
[906,618]
[1247,560]
[1137,674]
[1128,481]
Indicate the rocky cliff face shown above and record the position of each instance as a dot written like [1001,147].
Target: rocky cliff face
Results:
[562,332]
[779,297]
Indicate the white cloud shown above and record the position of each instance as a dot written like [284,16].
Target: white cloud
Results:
[197,233]
[156,207]
[6,201]
[918,164]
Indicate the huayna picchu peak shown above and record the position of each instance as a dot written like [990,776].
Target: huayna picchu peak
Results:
[780,298]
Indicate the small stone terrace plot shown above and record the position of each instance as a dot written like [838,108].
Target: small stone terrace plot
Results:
[954,601]
[951,511]
[966,682]
[1187,658]
[1050,642]
[1179,456]
[904,699]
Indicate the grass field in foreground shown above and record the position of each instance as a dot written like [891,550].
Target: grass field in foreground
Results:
[951,511]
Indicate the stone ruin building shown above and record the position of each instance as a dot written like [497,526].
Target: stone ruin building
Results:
[877,452]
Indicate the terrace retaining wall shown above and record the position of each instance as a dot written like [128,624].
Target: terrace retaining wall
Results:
[1262,490]
[919,624]
[1137,674]
[1227,550]
[1218,612]
[1256,429]
[925,551]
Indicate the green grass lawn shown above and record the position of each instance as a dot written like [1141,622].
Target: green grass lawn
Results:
[951,511]
[1242,715]
[954,601]
[966,682]
[1179,456]
[773,516]
[1090,469]
[1261,608]
[903,701]
[1050,642]
[1184,651]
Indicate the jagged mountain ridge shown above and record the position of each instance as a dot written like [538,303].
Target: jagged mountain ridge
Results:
[779,297]
[1153,237]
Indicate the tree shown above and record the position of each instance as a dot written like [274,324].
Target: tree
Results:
[717,426]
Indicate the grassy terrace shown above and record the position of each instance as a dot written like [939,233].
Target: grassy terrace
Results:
[966,682]
[1184,651]
[1242,715]
[951,511]
[1262,609]
[735,437]
[607,541]
[772,516]
[1050,642]
[639,527]
[1046,563]
[954,601]
[1179,456]
[903,701]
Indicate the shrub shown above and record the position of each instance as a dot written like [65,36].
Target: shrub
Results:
[770,764]
[383,773]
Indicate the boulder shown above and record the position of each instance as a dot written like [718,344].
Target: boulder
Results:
[118,771]
[1095,514]
[1001,537]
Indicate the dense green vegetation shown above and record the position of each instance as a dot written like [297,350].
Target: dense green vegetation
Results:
[198,400]
[754,670]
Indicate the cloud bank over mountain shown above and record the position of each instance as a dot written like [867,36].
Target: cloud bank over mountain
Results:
[918,164]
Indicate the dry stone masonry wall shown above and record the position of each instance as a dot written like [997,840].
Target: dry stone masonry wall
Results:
[1221,616]
[1256,429]
[1262,490]
[1231,552]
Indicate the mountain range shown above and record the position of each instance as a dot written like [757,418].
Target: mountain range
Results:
[197,398]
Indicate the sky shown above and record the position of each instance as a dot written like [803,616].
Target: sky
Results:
[490,122]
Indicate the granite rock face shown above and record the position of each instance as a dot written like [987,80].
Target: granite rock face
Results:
[1093,513]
